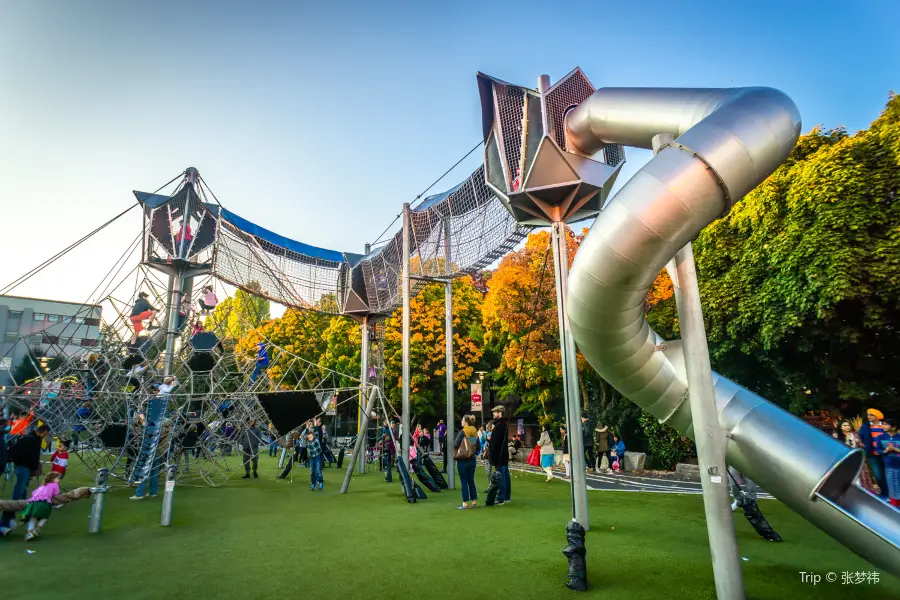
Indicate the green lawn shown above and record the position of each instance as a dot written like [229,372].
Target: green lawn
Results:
[266,539]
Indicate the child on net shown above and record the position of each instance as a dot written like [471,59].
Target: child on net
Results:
[39,508]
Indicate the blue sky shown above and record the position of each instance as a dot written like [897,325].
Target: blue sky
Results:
[318,120]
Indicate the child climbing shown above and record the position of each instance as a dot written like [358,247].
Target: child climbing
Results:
[140,312]
[196,328]
[208,300]
[39,508]
[183,242]
[262,361]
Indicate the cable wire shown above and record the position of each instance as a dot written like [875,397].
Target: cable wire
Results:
[425,191]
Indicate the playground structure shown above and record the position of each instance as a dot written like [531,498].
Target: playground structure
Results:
[713,146]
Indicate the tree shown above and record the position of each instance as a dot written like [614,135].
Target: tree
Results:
[522,327]
[235,317]
[427,345]
[800,282]
[298,333]
[343,348]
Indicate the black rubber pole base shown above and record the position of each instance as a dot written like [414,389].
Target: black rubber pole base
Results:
[574,552]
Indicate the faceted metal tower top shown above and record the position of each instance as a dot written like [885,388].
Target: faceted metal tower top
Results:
[526,163]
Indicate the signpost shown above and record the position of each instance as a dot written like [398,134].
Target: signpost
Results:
[476,397]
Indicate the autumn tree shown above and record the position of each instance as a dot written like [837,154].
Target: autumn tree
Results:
[522,327]
[427,345]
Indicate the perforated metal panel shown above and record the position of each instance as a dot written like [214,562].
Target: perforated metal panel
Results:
[571,90]
[511,106]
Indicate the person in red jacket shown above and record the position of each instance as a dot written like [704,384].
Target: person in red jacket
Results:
[59,462]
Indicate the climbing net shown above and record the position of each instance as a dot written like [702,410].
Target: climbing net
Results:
[451,234]
[105,401]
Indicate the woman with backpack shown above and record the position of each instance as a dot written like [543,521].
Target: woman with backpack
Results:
[465,448]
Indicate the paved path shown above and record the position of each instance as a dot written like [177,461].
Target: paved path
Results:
[610,482]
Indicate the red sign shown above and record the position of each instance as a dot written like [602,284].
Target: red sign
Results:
[476,397]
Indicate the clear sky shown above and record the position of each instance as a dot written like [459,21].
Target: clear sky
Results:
[317,120]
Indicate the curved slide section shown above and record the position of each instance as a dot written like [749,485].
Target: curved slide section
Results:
[726,142]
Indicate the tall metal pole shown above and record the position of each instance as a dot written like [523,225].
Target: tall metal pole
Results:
[363,384]
[570,377]
[404,437]
[708,434]
[357,448]
[175,283]
[448,335]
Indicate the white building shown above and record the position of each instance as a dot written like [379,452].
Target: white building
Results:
[37,327]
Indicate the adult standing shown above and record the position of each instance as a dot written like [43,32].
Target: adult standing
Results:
[869,434]
[603,439]
[564,434]
[250,440]
[844,433]
[466,447]
[889,444]
[548,454]
[25,455]
[498,453]
[441,431]
[587,440]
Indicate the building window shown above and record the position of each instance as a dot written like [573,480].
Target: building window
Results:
[76,341]
[6,363]
[51,339]
[12,336]
[79,320]
[39,316]
[36,339]
[53,318]
[88,343]
[15,314]
[92,321]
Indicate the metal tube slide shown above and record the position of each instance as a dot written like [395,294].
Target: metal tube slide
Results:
[727,141]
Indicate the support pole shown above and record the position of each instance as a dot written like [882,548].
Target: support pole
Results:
[363,382]
[448,353]
[168,497]
[571,392]
[98,495]
[358,446]
[176,281]
[708,434]
[404,435]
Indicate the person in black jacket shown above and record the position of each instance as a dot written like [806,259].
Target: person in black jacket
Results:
[587,440]
[499,455]
[25,455]
[140,312]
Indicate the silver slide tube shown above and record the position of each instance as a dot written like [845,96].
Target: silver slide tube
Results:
[727,141]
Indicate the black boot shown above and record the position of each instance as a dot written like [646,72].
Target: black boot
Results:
[574,552]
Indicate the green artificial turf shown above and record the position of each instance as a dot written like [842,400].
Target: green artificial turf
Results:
[267,539]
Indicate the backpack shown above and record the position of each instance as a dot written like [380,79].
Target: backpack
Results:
[465,450]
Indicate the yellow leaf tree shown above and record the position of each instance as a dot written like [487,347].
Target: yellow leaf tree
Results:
[427,346]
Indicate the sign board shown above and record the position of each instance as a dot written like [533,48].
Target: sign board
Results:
[520,427]
[476,397]
[170,485]
[332,406]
